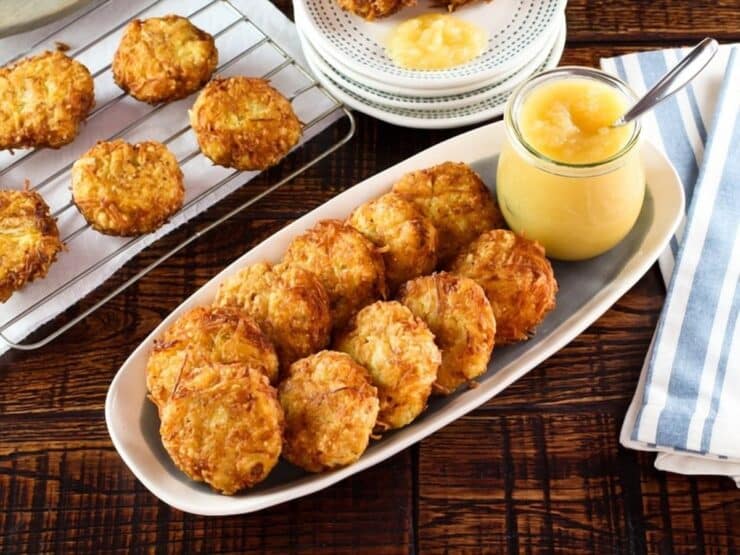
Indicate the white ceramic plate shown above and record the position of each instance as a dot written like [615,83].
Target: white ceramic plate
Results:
[480,111]
[422,102]
[587,290]
[518,29]
[395,88]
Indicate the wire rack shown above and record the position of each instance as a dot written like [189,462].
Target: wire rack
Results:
[262,47]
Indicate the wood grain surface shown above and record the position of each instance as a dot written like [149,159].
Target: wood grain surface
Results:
[537,470]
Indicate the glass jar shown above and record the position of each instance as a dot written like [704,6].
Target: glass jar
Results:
[576,210]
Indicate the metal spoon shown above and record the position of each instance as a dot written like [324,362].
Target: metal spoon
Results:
[674,80]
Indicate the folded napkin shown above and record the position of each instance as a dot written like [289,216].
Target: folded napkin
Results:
[233,37]
[687,404]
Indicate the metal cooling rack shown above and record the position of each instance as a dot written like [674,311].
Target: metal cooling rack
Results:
[264,40]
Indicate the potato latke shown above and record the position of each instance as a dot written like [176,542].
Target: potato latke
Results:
[289,303]
[43,101]
[29,240]
[456,310]
[244,123]
[162,59]
[330,411]
[202,336]
[455,200]
[349,266]
[398,350]
[516,277]
[124,189]
[407,239]
[226,432]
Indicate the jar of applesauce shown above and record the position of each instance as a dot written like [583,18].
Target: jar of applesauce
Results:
[566,178]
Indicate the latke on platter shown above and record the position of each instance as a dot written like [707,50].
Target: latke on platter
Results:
[398,350]
[330,411]
[517,278]
[456,310]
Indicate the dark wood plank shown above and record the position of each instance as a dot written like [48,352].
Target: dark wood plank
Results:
[537,469]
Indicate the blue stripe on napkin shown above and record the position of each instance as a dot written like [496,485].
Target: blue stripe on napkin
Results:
[691,356]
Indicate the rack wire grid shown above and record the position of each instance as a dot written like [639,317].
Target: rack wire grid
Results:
[246,49]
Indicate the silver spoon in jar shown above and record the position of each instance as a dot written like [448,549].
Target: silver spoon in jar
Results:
[676,79]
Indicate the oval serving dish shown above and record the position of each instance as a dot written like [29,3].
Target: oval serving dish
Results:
[587,290]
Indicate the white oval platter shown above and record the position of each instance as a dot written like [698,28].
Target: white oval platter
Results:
[587,290]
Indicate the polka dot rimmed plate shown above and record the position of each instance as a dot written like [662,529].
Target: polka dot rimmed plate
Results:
[517,29]
[340,76]
[483,110]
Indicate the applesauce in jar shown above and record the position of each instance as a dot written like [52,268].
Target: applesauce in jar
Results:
[566,178]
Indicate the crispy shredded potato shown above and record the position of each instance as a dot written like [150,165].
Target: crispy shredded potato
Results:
[516,277]
[456,310]
[373,9]
[244,123]
[227,431]
[202,336]
[43,101]
[124,189]
[349,266]
[29,240]
[162,59]
[289,303]
[407,239]
[398,350]
[330,411]
[455,200]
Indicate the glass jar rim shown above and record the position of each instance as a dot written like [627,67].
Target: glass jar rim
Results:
[555,166]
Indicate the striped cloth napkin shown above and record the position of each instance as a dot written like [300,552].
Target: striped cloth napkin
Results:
[687,404]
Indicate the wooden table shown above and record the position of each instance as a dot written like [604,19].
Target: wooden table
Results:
[537,469]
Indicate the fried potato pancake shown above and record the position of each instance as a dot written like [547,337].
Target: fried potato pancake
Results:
[124,189]
[43,101]
[399,351]
[457,312]
[202,336]
[227,431]
[372,9]
[244,123]
[455,200]
[407,239]
[162,59]
[29,240]
[349,266]
[289,304]
[516,277]
[330,411]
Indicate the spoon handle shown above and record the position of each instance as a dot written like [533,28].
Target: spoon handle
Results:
[674,80]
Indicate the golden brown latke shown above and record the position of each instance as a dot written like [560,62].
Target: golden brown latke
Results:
[349,266]
[372,9]
[202,336]
[398,350]
[289,303]
[43,101]
[455,200]
[124,189]
[244,123]
[456,310]
[29,240]
[226,432]
[162,59]
[330,410]
[407,239]
[516,277]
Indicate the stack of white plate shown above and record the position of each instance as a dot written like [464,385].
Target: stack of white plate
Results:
[347,55]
